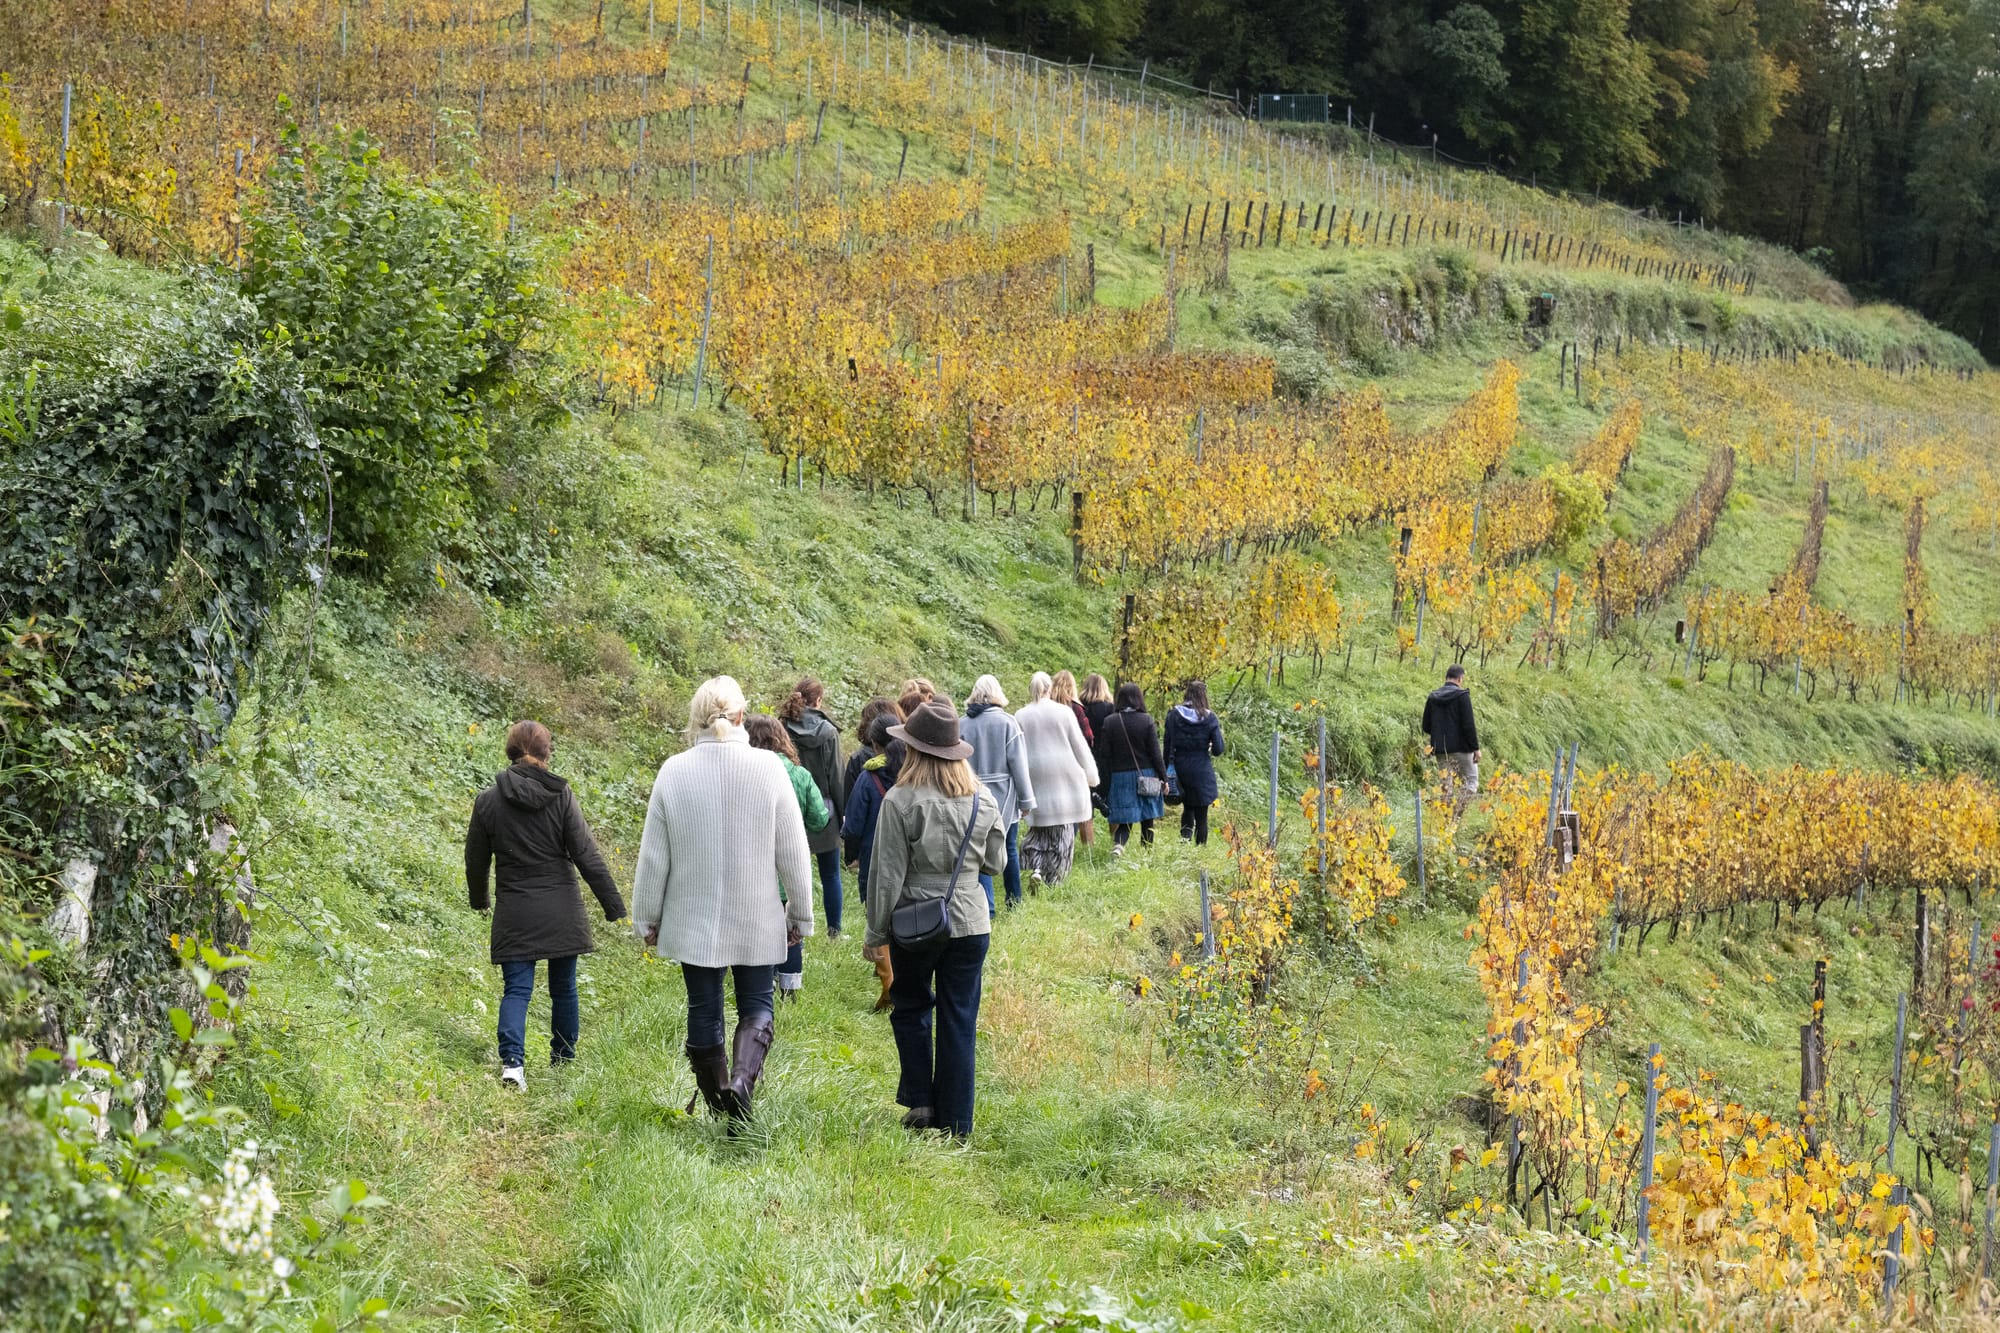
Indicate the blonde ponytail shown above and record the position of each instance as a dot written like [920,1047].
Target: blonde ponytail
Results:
[716,708]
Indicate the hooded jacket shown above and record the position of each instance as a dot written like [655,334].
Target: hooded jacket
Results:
[818,744]
[864,808]
[1448,720]
[1194,741]
[529,826]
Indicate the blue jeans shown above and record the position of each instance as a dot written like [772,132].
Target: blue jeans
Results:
[830,894]
[704,987]
[518,985]
[944,979]
[829,886]
[1013,872]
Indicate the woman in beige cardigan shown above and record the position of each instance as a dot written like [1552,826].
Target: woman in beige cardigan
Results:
[1063,771]
[723,885]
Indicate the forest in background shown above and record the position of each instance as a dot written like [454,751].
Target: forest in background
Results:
[1865,135]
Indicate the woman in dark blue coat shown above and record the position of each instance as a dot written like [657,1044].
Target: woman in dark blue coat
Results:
[1194,740]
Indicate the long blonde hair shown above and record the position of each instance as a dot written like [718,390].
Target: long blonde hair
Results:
[716,707]
[1096,690]
[1063,691]
[953,777]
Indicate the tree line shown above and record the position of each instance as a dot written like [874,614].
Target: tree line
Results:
[1864,133]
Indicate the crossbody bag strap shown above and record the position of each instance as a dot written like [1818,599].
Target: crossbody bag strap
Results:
[964,841]
[1125,733]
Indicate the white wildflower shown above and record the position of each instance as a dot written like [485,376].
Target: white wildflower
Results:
[248,1206]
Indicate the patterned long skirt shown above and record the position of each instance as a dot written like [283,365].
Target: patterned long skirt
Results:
[1048,851]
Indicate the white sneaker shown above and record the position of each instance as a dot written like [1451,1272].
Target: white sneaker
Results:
[514,1076]
[1118,849]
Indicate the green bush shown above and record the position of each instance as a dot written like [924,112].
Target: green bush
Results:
[128,1206]
[410,312]
[1579,508]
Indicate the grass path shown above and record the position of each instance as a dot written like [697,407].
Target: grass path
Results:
[595,1202]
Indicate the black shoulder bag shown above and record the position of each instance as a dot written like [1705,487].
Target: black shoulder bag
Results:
[927,921]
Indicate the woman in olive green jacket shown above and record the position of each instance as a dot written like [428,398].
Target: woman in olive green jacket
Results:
[939,830]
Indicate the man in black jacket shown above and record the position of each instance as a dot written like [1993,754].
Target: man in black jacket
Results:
[529,826]
[1454,735]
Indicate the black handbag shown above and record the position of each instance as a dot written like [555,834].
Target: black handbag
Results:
[927,921]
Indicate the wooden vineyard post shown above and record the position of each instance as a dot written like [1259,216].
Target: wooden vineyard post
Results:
[1647,1143]
[1809,1083]
[1090,272]
[1207,920]
[62,172]
[1076,536]
[1125,638]
[1514,1152]
[1812,1058]
[1922,945]
[1992,1197]
[1555,787]
[1325,899]
[972,493]
[1971,972]
[1422,887]
[1819,1008]
[1892,1261]
[707,313]
[1276,736]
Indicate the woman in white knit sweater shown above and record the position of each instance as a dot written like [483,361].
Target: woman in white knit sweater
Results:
[1063,771]
[723,885]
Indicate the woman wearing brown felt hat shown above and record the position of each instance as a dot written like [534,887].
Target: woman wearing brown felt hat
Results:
[939,830]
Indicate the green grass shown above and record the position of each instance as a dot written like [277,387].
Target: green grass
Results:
[1100,1159]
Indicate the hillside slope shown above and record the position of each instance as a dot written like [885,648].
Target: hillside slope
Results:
[937,297]
[1107,1155]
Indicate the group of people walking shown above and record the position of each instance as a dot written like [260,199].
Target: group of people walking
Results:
[929,809]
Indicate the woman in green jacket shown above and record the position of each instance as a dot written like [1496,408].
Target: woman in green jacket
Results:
[767,733]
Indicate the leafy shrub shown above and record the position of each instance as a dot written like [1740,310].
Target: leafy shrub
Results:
[126,1208]
[1580,507]
[1300,372]
[158,495]
[408,310]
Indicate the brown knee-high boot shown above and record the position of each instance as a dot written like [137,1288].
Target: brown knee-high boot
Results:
[753,1042]
[711,1075]
[884,974]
